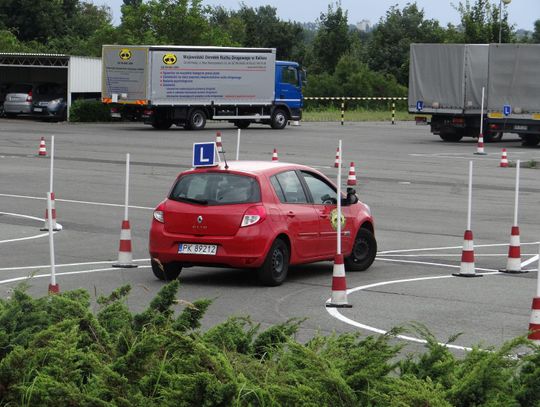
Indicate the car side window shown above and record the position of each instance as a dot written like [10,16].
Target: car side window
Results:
[291,187]
[322,192]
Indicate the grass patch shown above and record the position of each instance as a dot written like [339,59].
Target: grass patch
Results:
[525,164]
[357,115]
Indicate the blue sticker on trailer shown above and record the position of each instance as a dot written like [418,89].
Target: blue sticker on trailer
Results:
[204,154]
[507,109]
[420,105]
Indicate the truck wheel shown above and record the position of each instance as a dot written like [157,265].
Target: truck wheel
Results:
[363,252]
[162,124]
[529,140]
[167,271]
[493,137]
[242,124]
[197,120]
[273,272]
[279,119]
[450,137]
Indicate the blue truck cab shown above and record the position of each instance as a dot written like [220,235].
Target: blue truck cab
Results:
[290,79]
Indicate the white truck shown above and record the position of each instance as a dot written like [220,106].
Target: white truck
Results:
[514,91]
[446,81]
[186,86]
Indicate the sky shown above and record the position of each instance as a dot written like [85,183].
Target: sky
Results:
[522,13]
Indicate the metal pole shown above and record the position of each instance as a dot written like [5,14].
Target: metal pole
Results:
[516,202]
[538,272]
[339,203]
[52,164]
[51,238]
[342,111]
[469,209]
[393,112]
[482,113]
[127,188]
[238,145]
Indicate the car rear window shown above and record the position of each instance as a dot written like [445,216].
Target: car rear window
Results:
[20,88]
[209,188]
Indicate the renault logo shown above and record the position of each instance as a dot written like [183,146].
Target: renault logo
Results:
[125,54]
[200,219]
[169,59]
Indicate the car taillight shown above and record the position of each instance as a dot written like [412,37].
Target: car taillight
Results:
[29,97]
[253,216]
[158,215]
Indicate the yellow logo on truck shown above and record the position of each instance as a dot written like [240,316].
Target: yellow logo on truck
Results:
[125,54]
[169,59]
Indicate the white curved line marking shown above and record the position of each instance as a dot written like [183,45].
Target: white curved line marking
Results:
[336,314]
[18,215]
[74,201]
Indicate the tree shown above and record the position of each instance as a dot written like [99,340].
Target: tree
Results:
[481,23]
[390,42]
[536,33]
[332,39]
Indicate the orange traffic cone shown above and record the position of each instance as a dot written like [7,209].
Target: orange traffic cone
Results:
[219,145]
[513,264]
[467,268]
[336,162]
[125,257]
[351,180]
[480,147]
[534,322]
[504,159]
[275,155]
[42,148]
[339,285]
[56,226]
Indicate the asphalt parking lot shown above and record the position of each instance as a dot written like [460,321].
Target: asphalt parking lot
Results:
[415,184]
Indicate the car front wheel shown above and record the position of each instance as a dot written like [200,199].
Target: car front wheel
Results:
[363,252]
[167,271]
[274,269]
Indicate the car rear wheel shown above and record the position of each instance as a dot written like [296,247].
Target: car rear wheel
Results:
[274,269]
[363,252]
[167,271]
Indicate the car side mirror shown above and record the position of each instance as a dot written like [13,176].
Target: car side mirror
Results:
[351,197]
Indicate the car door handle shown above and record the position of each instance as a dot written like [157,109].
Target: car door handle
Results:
[291,214]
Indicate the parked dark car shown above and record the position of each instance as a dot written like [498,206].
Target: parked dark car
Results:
[50,101]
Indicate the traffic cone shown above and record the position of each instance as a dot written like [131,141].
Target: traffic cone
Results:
[504,159]
[218,142]
[339,285]
[54,289]
[467,268]
[513,264]
[125,257]
[56,226]
[275,155]
[42,148]
[336,162]
[480,147]
[534,322]
[351,180]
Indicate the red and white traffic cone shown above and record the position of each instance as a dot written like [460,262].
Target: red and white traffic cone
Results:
[467,268]
[336,162]
[504,159]
[42,148]
[54,289]
[480,146]
[275,155]
[56,226]
[125,257]
[534,322]
[219,145]
[513,264]
[351,180]
[339,285]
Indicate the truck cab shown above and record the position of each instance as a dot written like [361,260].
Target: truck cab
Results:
[288,88]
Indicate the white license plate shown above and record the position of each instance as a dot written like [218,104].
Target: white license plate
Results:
[116,115]
[520,127]
[193,248]
[38,109]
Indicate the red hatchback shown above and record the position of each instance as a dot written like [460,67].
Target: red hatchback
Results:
[259,215]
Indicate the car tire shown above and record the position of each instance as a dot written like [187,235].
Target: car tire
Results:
[167,271]
[274,270]
[450,137]
[363,252]
[242,124]
[11,115]
[197,120]
[279,119]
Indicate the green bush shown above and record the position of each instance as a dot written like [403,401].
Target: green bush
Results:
[89,111]
[54,351]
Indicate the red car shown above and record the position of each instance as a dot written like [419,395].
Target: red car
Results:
[259,215]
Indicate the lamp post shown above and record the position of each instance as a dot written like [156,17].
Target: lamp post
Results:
[506,2]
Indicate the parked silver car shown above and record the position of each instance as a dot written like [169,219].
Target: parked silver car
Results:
[18,100]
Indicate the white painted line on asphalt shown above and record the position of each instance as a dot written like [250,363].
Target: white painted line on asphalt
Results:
[336,314]
[63,265]
[531,260]
[447,255]
[74,201]
[18,215]
[449,248]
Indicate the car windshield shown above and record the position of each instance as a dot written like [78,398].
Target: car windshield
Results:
[208,188]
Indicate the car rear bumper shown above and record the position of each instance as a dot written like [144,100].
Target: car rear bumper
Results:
[17,107]
[246,249]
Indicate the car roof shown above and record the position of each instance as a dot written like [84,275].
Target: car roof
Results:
[254,167]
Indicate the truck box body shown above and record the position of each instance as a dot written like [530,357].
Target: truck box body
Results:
[225,83]
[447,78]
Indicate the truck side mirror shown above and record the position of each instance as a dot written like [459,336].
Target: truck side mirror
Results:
[303,77]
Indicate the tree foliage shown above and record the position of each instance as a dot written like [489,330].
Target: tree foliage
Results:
[481,23]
